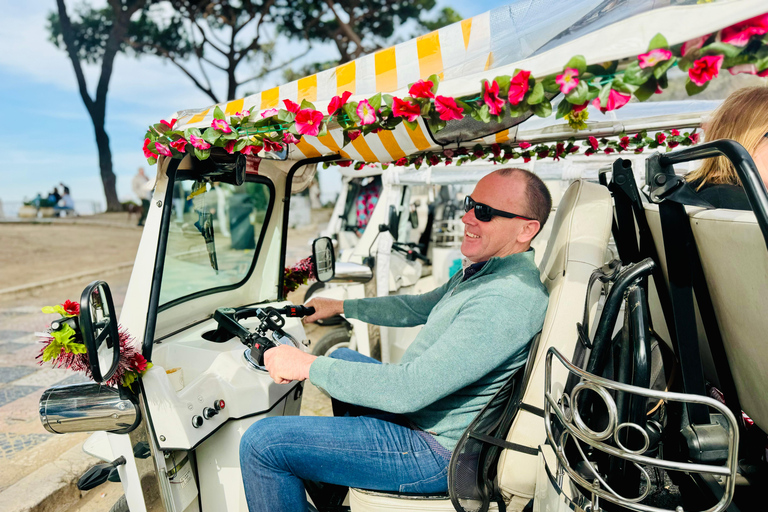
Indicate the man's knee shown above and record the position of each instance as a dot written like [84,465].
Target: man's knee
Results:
[260,438]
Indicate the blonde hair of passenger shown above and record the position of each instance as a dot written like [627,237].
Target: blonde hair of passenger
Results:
[742,117]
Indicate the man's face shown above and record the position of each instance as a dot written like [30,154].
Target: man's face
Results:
[500,236]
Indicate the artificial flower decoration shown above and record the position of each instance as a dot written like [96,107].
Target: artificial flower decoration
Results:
[338,101]
[298,274]
[705,69]
[290,138]
[198,142]
[518,87]
[269,113]
[406,109]
[615,100]
[179,145]
[168,124]
[221,125]
[148,152]
[163,149]
[291,107]
[740,33]
[568,80]
[448,109]
[693,45]
[366,113]
[252,150]
[422,89]
[491,97]
[653,57]
[308,122]
[230,147]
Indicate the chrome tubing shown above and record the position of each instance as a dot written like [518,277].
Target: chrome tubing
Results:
[572,427]
[346,272]
[88,407]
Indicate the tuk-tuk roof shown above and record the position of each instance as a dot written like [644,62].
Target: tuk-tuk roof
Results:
[538,36]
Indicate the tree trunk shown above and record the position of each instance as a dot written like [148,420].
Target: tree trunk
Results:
[107,175]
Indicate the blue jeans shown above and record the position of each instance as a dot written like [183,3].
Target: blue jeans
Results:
[376,451]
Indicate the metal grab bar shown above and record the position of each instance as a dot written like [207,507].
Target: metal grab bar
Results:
[574,427]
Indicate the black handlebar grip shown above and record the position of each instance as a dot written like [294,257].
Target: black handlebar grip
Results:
[297,311]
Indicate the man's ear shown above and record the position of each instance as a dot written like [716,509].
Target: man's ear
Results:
[529,231]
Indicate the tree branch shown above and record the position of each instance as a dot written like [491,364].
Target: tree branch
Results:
[67,33]
[344,26]
[205,38]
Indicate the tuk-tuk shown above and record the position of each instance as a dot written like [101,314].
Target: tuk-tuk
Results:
[604,414]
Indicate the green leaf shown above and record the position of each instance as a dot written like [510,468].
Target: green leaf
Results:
[191,131]
[160,128]
[412,125]
[482,114]
[128,378]
[226,136]
[579,94]
[351,110]
[218,113]
[550,85]
[577,62]
[563,108]
[388,99]
[602,69]
[77,348]
[684,63]
[426,106]
[543,109]
[240,145]
[436,125]
[646,90]
[658,41]
[537,95]
[436,81]
[375,102]
[721,48]
[305,104]
[53,309]
[151,160]
[636,75]
[605,91]
[593,92]
[211,135]
[621,86]
[51,351]
[693,89]
[202,154]
[518,110]
[662,67]
[503,82]
[323,130]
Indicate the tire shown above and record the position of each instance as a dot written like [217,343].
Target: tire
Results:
[313,289]
[121,505]
[327,322]
[337,338]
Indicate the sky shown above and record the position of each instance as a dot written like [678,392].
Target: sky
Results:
[46,135]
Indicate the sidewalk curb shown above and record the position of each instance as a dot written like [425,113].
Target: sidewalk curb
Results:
[51,488]
[71,222]
[23,289]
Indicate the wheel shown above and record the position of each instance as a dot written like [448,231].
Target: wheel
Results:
[330,321]
[335,339]
[121,505]
[313,289]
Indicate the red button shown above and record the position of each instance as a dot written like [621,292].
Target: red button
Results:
[221,404]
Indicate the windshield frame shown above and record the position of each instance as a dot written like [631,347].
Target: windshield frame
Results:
[253,178]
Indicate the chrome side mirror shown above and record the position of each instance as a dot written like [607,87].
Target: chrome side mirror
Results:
[323,259]
[98,325]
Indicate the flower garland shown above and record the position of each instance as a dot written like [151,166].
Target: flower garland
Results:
[297,275]
[740,48]
[63,347]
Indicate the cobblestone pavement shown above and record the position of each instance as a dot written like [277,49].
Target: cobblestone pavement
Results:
[24,444]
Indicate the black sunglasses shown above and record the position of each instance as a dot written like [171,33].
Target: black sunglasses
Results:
[485,213]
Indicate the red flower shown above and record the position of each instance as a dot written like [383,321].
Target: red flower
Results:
[518,86]
[253,150]
[579,108]
[338,102]
[410,111]
[479,153]
[147,152]
[291,106]
[401,162]
[344,163]
[593,142]
[139,363]
[496,150]
[290,138]
[434,159]
[694,138]
[491,97]
[615,100]
[167,124]
[448,109]
[272,146]
[639,150]
[672,144]
[524,145]
[589,152]
[229,147]
[574,149]
[526,158]
[353,134]
[179,145]
[72,308]
[422,89]
[660,138]
[448,161]
[674,132]
[308,122]
[608,151]
[544,153]
[739,34]
[624,143]
[705,69]
[763,73]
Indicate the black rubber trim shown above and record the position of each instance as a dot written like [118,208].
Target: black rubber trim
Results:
[531,409]
[279,400]
[502,443]
[250,178]
[157,274]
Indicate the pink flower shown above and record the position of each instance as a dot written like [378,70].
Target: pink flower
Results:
[338,101]
[615,100]
[524,145]
[608,151]
[518,86]
[694,137]
[624,142]
[673,144]
[658,90]
[289,138]
[422,89]
[496,150]
[272,146]
[653,57]
[308,122]
[253,150]
[568,80]
[694,44]
[243,114]
[639,150]
[198,142]
[763,73]
[448,108]
[749,69]
[739,34]
[705,69]
[269,113]
[449,153]
[674,133]
[167,124]
[354,134]
[434,160]
[179,145]
[344,163]
[491,97]
[148,152]
[162,149]
[366,113]
[401,162]
[660,138]
[526,159]
[221,125]
[229,147]
[406,109]
[579,108]
[291,106]
[593,142]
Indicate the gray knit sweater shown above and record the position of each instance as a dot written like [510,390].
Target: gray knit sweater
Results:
[475,334]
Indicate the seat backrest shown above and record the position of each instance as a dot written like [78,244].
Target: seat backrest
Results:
[577,246]
[735,261]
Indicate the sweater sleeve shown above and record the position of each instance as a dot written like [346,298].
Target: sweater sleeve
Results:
[396,310]
[470,348]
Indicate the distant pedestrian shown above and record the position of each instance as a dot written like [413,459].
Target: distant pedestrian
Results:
[140,185]
[54,197]
[66,204]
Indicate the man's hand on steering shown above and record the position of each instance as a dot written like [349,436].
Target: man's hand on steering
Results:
[286,363]
[324,308]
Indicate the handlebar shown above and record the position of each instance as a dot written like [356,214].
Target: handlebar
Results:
[410,253]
